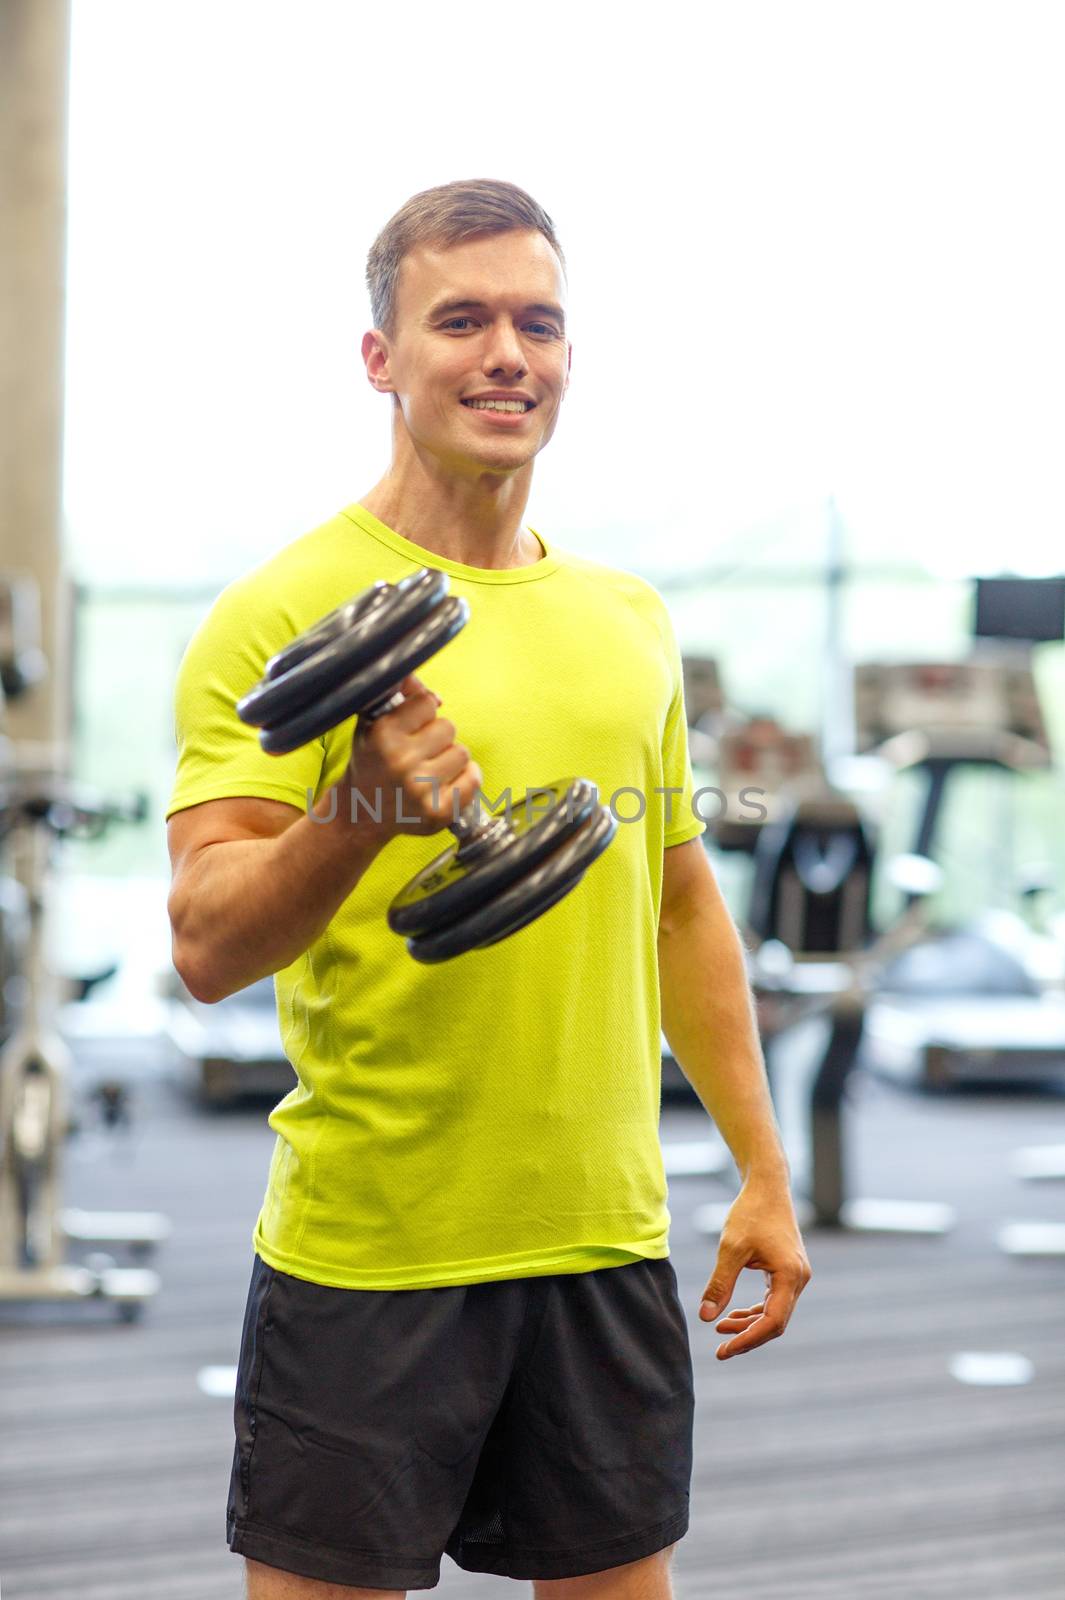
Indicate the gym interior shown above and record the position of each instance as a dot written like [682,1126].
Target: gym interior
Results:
[837,464]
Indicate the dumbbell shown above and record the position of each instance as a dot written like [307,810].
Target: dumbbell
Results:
[503,871]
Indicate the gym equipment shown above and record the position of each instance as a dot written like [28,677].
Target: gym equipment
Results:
[979,1001]
[814,963]
[503,871]
[988,999]
[761,768]
[813,868]
[818,957]
[36,810]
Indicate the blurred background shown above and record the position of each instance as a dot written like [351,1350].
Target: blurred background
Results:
[815,270]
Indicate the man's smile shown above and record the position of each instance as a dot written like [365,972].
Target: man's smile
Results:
[505,413]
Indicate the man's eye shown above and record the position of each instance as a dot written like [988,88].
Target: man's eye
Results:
[542,327]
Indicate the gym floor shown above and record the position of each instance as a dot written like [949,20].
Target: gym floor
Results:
[843,1462]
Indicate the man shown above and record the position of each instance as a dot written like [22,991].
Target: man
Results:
[463,1331]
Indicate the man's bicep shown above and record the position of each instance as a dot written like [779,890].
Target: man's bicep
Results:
[222,822]
[687,881]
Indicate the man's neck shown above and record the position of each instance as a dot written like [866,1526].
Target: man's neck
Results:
[456,524]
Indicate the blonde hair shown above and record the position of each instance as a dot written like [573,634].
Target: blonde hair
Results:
[440,218]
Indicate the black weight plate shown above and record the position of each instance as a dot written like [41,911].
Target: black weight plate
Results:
[371,685]
[336,623]
[450,886]
[338,647]
[523,901]
[588,848]
[431,949]
[308,666]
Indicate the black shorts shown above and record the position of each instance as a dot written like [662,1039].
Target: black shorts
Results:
[534,1427]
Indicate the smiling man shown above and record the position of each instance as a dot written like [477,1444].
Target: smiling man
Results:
[464,437]
[463,1332]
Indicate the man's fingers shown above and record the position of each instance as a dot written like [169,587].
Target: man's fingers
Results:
[719,1290]
[738,1318]
[414,685]
[759,1332]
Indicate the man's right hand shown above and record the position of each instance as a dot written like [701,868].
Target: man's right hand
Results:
[407,766]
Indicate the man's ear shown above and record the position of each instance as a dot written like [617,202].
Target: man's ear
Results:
[375,354]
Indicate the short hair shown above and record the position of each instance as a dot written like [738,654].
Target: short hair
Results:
[445,216]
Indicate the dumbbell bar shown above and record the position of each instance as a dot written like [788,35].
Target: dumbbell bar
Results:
[502,872]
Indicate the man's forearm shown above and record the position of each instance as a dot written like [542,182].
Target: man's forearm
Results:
[708,1019]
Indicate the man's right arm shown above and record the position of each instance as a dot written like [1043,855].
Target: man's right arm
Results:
[255,882]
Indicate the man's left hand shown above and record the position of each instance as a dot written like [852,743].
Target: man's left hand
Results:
[761,1231]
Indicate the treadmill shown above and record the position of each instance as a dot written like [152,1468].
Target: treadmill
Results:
[984,1001]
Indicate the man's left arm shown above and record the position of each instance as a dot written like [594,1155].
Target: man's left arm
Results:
[708,1019]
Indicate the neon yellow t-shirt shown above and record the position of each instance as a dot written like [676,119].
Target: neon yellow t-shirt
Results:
[496,1115]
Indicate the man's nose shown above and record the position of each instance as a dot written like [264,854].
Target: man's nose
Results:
[503,349]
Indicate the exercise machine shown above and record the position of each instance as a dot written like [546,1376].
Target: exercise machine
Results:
[761,769]
[985,1000]
[36,811]
[812,969]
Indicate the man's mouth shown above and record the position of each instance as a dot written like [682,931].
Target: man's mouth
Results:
[512,406]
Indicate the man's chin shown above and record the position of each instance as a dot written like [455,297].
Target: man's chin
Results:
[498,458]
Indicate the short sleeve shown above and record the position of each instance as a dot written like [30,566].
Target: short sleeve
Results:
[682,820]
[219,757]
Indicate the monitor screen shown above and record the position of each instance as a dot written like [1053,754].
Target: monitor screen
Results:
[1020,608]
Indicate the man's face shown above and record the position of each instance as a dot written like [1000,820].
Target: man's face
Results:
[484,318]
